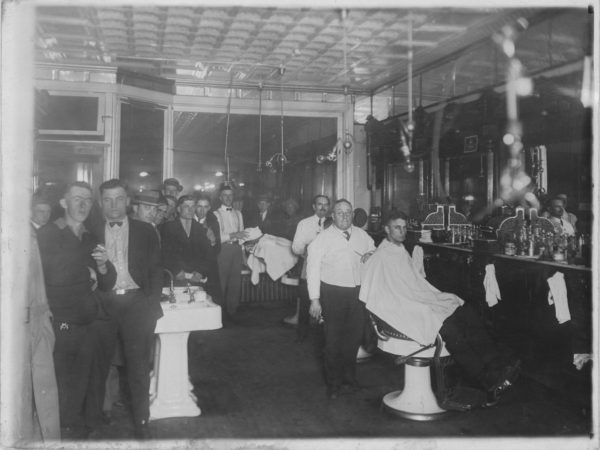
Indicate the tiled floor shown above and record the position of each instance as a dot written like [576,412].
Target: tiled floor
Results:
[254,381]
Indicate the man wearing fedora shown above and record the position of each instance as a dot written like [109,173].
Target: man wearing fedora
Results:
[145,207]
[172,187]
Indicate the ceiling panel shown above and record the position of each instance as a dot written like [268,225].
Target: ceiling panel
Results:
[310,43]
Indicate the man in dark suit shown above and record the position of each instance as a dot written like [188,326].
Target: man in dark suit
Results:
[266,219]
[209,222]
[185,245]
[134,301]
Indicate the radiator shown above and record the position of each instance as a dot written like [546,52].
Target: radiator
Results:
[267,290]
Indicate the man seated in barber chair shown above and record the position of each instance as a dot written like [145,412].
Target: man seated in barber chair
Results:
[395,290]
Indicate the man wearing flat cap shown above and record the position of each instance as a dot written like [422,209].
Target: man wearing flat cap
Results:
[172,187]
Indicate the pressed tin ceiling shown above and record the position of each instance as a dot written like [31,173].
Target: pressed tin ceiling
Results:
[249,46]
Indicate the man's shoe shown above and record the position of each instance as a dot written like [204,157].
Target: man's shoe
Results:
[509,375]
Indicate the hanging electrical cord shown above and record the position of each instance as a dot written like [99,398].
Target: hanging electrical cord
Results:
[282,157]
[406,132]
[259,165]
[279,158]
[347,140]
[227,179]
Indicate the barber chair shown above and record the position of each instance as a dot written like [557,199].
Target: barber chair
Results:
[417,400]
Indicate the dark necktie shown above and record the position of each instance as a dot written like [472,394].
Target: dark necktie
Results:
[347,235]
[118,223]
[321,222]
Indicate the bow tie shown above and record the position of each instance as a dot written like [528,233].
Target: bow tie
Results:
[228,209]
[118,223]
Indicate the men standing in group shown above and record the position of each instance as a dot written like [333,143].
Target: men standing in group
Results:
[72,263]
[333,278]
[306,231]
[41,209]
[230,259]
[134,301]
[172,187]
[185,247]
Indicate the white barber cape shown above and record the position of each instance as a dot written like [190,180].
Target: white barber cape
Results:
[397,293]
[271,254]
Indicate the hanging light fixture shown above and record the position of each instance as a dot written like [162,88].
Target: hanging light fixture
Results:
[259,165]
[345,142]
[279,160]
[226,153]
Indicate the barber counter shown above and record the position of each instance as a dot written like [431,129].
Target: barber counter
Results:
[523,318]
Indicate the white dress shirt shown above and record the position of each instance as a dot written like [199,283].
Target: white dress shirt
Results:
[306,231]
[335,260]
[117,247]
[229,222]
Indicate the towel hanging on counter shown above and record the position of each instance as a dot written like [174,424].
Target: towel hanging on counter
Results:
[557,296]
[490,284]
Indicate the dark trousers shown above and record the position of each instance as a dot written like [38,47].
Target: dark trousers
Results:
[104,336]
[135,324]
[213,283]
[343,316]
[471,346]
[230,275]
[73,359]
[303,310]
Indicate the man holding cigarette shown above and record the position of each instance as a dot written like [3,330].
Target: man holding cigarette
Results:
[74,265]
[333,277]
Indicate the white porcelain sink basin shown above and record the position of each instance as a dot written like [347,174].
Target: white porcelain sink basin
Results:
[182,316]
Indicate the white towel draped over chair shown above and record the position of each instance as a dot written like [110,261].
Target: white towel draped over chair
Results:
[490,284]
[557,295]
[273,255]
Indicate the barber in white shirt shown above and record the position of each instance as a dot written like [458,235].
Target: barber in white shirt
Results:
[231,225]
[306,231]
[333,277]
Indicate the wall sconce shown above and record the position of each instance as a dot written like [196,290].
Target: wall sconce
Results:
[348,142]
[278,159]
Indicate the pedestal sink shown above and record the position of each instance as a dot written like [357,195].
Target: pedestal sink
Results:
[170,388]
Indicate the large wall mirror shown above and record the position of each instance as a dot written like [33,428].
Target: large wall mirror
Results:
[199,140]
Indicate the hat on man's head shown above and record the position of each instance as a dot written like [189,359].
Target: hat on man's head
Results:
[265,196]
[147,197]
[38,199]
[173,182]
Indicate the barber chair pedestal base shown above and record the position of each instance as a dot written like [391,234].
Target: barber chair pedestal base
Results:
[417,400]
